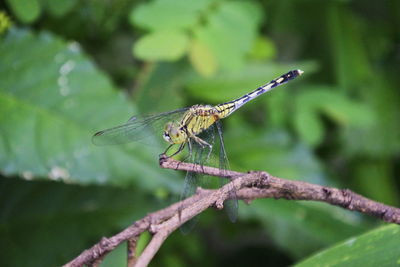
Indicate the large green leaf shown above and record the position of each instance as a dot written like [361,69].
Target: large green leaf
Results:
[52,100]
[51,223]
[379,247]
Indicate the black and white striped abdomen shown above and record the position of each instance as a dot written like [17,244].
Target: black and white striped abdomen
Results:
[229,107]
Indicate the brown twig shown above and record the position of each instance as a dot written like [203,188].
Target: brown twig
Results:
[248,186]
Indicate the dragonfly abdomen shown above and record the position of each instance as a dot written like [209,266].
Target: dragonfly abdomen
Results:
[228,108]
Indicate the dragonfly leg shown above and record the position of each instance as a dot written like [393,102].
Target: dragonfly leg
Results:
[200,141]
[165,152]
[181,147]
[190,147]
[209,152]
[203,144]
[190,150]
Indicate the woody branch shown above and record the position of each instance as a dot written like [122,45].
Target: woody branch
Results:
[249,186]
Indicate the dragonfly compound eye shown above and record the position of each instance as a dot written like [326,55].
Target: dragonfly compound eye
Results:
[173,134]
[167,137]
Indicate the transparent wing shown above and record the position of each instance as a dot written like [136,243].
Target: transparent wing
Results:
[196,153]
[231,205]
[137,128]
[214,157]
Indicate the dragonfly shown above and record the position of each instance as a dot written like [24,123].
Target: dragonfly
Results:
[198,128]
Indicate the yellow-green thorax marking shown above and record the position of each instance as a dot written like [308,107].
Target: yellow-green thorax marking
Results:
[200,117]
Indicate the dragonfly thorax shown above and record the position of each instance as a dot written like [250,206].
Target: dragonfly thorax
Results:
[174,133]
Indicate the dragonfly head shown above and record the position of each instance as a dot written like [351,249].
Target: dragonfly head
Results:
[174,134]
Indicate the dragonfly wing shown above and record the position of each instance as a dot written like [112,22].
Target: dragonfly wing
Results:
[215,157]
[231,205]
[196,153]
[137,128]
[189,188]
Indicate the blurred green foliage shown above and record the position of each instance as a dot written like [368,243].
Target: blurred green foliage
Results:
[69,68]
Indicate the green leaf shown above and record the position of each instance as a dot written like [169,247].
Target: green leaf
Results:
[230,32]
[202,59]
[227,32]
[59,8]
[168,14]
[5,22]
[52,100]
[379,247]
[308,125]
[142,242]
[263,49]
[334,104]
[165,45]
[25,11]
